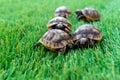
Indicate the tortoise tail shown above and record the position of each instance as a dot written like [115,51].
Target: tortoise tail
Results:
[36,44]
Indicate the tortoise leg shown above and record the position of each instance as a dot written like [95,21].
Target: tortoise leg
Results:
[36,45]
[77,42]
[91,43]
[62,50]
[70,45]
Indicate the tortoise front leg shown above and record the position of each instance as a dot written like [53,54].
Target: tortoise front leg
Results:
[62,50]
[70,45]
[36,44]
[77,42]
[91,43]
[80,17]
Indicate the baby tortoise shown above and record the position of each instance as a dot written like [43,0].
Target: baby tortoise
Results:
[62,11]
[88,14]
[56,40]
[60,23]
[87,35]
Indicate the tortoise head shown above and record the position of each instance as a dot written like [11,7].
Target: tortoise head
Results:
[83,41]
[78,12]
[59,26]
[63,14]
[64,28]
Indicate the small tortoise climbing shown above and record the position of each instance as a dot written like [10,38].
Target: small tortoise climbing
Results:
[60,23]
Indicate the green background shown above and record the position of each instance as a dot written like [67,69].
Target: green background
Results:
[23,22]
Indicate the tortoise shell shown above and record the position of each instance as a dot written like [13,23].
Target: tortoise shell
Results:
[88,14]
[87,35]
[62,11]
[88,31]
[53,23]
[55,39]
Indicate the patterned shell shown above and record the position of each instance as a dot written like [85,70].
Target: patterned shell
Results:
[88,31]
[53,22]
[55,39]
[62,11]
[91,14]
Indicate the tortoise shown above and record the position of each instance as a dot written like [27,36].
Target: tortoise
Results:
[56,40]
[88,14]
[87,35]
[62,11]
[60,23]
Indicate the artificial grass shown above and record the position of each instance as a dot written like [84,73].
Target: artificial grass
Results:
[22,23]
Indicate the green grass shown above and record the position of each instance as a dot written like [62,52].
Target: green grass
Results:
[23,22]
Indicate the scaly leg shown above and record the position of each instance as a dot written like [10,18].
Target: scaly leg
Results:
[36,44]
[62,50]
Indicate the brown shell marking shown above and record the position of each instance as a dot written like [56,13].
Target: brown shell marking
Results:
[55,39]
[53,22]
[91,14]
[88,31]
